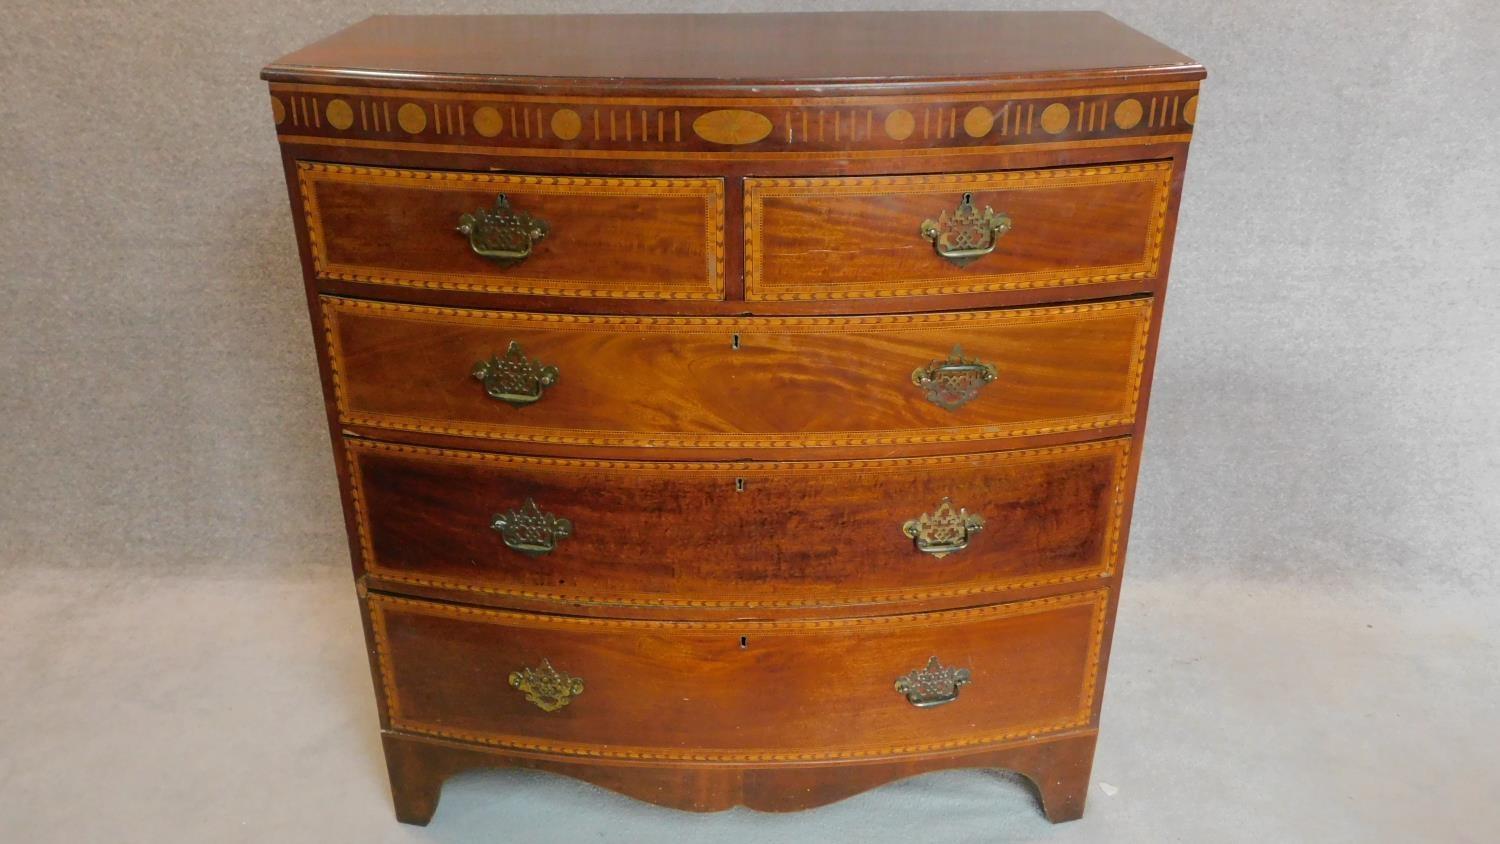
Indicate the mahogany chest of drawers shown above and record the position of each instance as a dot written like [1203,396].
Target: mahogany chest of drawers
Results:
[737,409]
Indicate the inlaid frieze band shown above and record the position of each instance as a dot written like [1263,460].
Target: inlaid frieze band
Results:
[725,128]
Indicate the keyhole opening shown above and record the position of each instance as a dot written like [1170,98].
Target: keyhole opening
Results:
[734,342]
[744,642]
[968,198]
[739,484]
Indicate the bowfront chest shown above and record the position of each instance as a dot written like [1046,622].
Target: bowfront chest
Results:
[742,409]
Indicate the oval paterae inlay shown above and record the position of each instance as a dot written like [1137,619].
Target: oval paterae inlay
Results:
[732,126]
[340,114]
[566,124]
[1055,118]
[899,124]
[978,122]
[412,118]
[487,121]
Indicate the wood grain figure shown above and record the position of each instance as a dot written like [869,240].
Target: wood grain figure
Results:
[737,410]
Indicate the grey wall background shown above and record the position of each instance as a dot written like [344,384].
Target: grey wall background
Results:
[1328,382]
[1322,448]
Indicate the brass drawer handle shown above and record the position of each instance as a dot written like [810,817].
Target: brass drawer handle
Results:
[952,383]
[932,685]
[546,687]
[943,531]
[531,530]
[502,235]
[968,235]
[514,378]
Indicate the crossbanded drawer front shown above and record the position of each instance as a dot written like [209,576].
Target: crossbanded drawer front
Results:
[710,382]
[738,536]
[739,691]
[602,237]
[882,236]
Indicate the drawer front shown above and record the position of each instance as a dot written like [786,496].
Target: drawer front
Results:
[863,237]
[737,382]
[605,237]
[738,535]
[739,691]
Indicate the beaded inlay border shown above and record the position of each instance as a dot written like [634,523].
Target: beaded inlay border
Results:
[378,605]
[709,190]
[333,305]
[757,191]
[1106,565]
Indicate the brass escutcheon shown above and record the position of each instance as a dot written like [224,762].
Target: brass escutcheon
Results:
[514,378]
[968,235]
[531,530]
[546,687]
[932,685]
[502,235]
[952,383]
[944,531]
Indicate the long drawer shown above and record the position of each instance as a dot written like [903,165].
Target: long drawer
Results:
[739,691]
[741,536]
[707,382]
[883,236]
[574,235]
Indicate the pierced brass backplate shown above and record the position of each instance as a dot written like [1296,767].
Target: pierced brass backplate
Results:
[531,530]
[547,687]
[968,235]
[514,378]
[932,685]
[502,235]
[943,531]
[952,383]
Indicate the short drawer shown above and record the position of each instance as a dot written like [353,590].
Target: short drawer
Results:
[880,236]
[738,536]
[580,236]
[739,691]
[710,382]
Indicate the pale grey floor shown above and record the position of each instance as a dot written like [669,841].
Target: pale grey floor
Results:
[224,709]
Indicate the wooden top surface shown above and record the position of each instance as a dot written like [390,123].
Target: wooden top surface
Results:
[748,54]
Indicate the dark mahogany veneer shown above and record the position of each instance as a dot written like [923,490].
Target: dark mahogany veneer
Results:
[739,549]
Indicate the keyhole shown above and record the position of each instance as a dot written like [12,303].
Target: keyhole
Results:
[734,342]
[739,484]
[744,642]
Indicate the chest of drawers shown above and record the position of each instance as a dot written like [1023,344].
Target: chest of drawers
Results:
[737,410]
